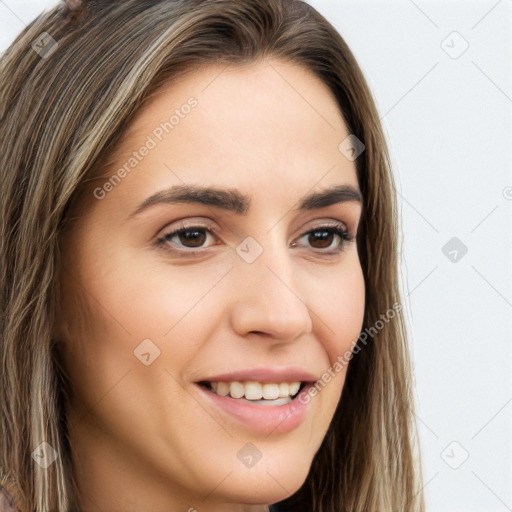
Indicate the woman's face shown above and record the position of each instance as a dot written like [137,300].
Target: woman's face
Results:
[258,288]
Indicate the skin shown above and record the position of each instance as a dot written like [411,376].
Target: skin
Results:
[143,437]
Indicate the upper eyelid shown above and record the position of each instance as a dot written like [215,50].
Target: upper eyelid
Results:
[211,227]
[332,223]
[191,222]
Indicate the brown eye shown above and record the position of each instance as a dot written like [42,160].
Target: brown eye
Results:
[192,240]
[324,238]
[192,237]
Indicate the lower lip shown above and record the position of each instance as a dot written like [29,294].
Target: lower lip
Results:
[264,419]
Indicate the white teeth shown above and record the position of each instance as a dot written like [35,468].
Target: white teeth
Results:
[256,391]
[283,390]
[293,388]
[236,389]
[253,391]
[270,391]
[278,401]
[222,388]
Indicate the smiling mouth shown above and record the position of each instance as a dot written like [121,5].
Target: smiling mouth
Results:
[256,392]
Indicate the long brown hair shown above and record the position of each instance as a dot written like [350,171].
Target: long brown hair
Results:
[69,86]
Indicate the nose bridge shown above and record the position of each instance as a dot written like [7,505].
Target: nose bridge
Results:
[268,299]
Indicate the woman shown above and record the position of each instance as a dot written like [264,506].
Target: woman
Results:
[198,225]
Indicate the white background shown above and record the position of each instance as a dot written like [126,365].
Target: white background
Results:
[448,121]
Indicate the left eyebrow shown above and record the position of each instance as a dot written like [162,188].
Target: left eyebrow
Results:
[235,201]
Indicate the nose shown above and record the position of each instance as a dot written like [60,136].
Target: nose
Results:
[266,299]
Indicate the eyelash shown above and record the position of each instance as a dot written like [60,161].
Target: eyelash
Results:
[337,229]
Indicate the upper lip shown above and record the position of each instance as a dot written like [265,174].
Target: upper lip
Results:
[265,375]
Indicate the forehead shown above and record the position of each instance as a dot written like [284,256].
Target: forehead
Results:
[243,126]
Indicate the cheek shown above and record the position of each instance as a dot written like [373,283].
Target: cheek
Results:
[338,307]
[154,314]
[341,307]
[175,307]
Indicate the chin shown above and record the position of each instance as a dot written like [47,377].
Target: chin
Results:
[266,482]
